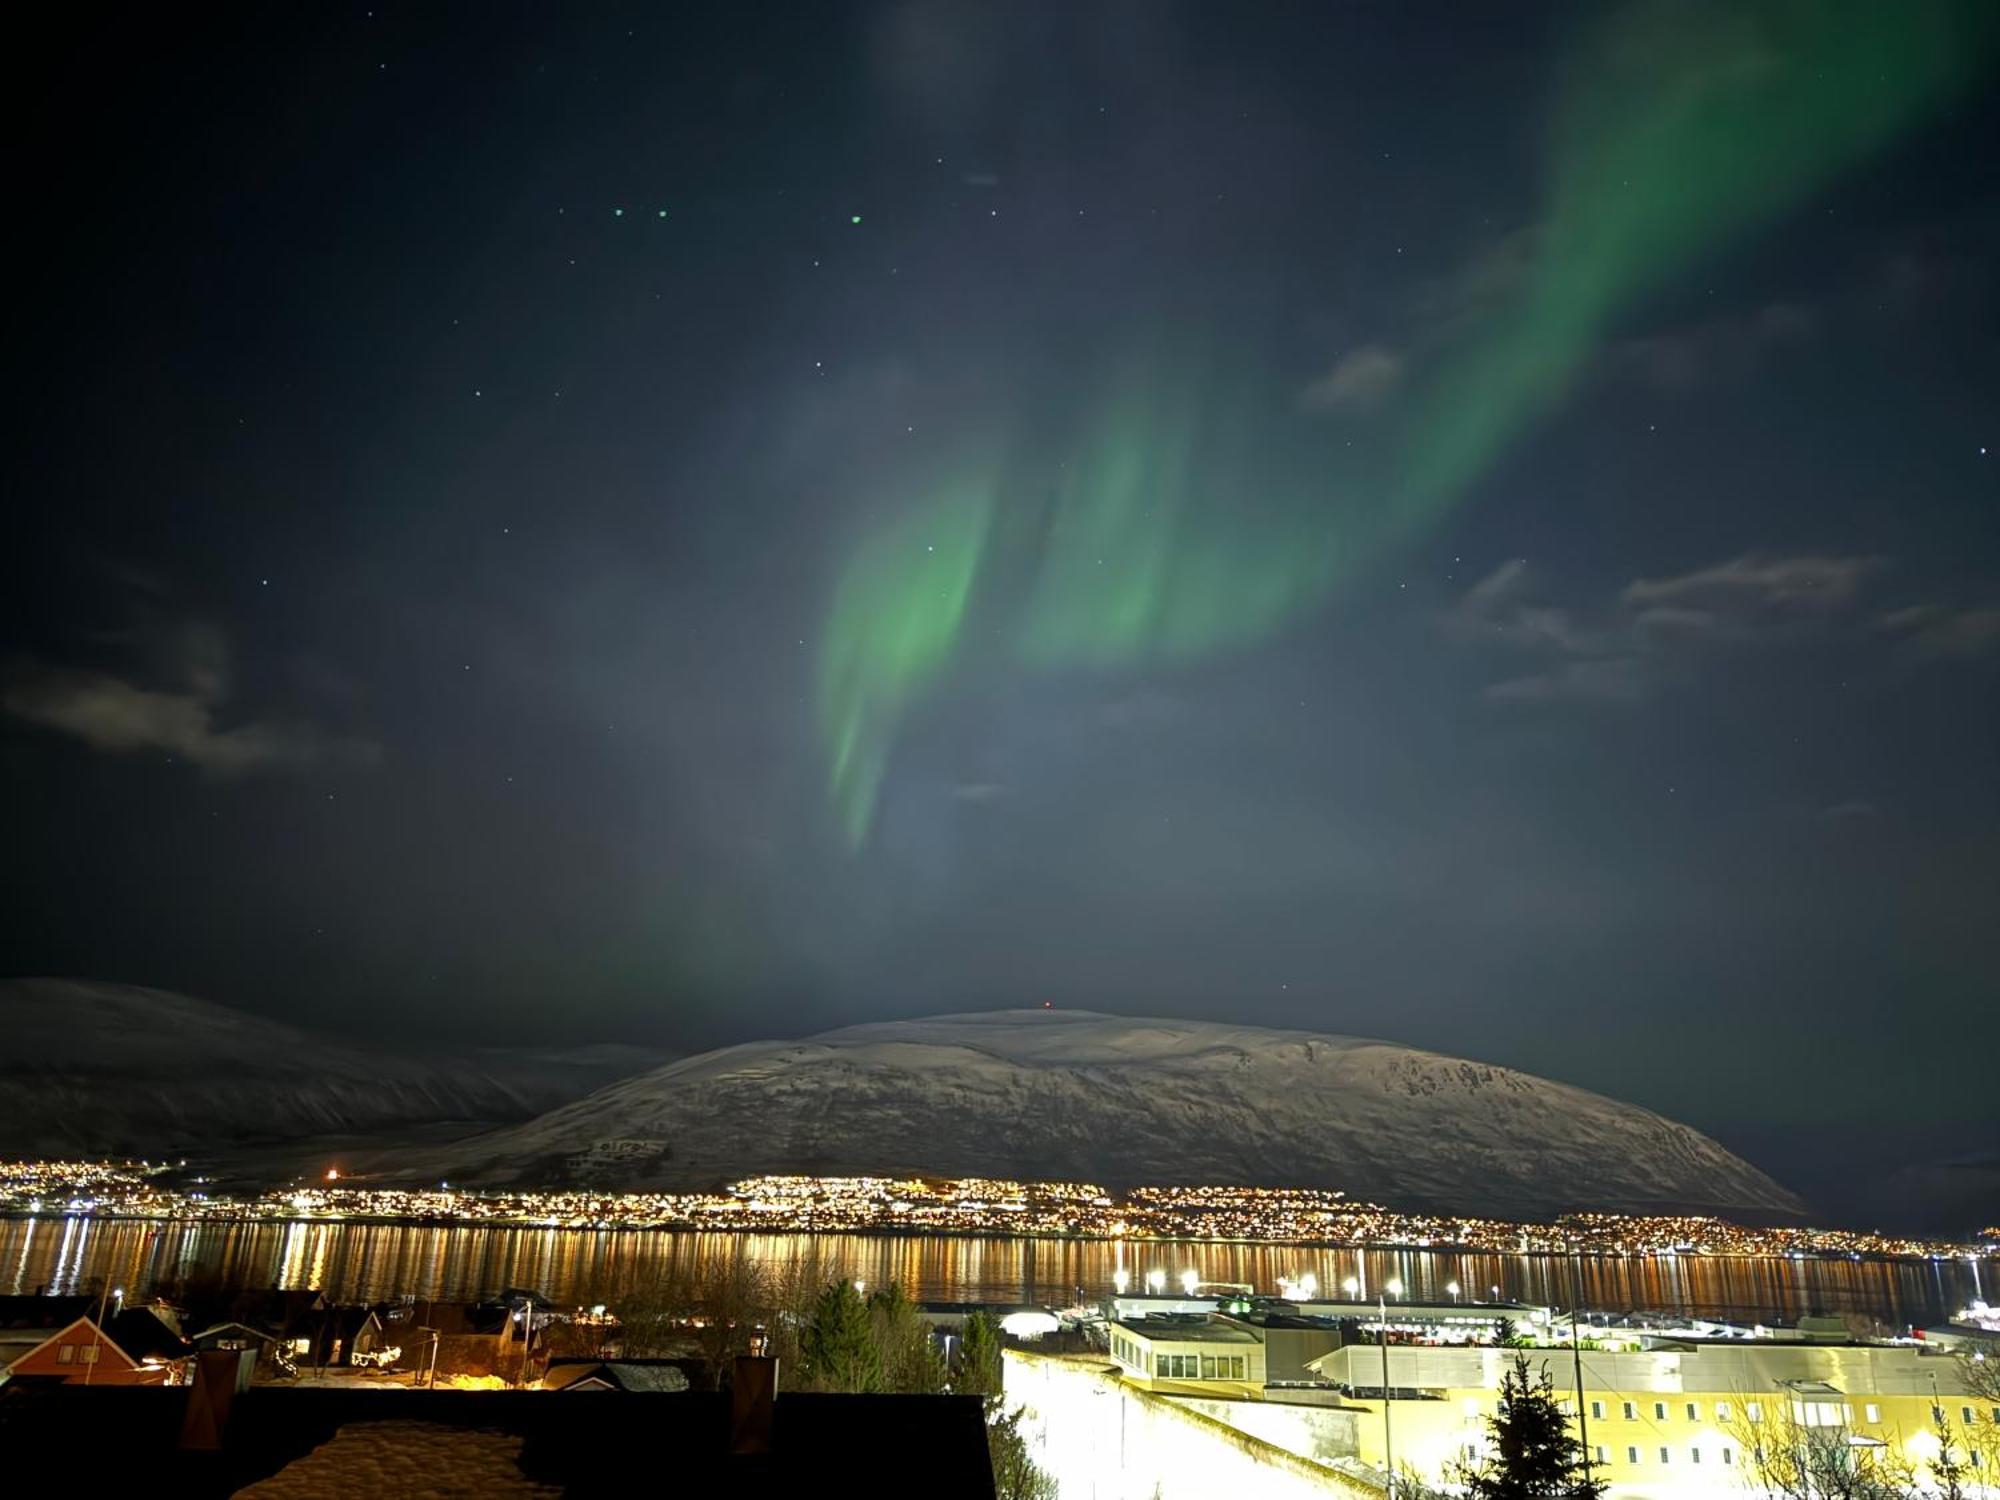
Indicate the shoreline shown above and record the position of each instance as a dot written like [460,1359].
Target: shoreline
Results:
[1973,1254]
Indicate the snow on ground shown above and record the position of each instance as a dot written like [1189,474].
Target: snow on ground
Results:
[414,1460]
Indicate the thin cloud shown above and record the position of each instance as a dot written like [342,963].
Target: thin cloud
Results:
[1618,679]
[1931,630]
[1499,610]
[1728,348]
[1808,583]
[181,715]
[1622,651]
[1358,379]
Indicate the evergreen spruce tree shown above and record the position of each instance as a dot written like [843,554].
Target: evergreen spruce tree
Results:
[839,1347]
[1535,1457]
[910,1359]
[978,1372]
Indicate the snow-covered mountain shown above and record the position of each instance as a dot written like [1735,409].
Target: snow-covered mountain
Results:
[1123,1101]
[90,1067]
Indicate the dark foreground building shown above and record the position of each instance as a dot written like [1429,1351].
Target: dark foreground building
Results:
[175,1441]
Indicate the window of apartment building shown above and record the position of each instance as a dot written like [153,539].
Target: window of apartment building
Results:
[1694,1455]
[1694,1411]
[87,1355]
[1237,1363]
[1631,1412]
[1965,1415]
[1659,1411]
[1597,1411]
[1603,1454]
[65,1354]
[1755,1410]
[1872,1412]
[1631,1455]
[1728,1457]
[1665,1456]
[1722,1411]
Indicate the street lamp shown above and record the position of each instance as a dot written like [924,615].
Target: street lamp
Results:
[1390,1288]
[1309,1284]
[1190,1279]
[1156,1281]
[1120,1280]
[1452,1288]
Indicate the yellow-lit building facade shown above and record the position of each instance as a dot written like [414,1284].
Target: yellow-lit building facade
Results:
[1204,1356]
[1670,1421]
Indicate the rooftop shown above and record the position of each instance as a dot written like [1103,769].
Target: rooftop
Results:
[1177,1330]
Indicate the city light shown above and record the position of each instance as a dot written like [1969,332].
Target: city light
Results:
[966,1205]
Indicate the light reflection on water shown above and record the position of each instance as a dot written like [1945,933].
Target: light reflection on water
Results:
[371,1262]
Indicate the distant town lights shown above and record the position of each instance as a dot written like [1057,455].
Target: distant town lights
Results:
[1190,1279]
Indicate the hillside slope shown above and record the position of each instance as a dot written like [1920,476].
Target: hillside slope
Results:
[1122,1101]
[117,1069]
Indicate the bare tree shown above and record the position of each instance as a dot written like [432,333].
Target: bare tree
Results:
[730,1302]
[1784,1457]
[1978,1363]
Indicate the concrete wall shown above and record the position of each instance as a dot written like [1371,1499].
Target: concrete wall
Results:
[1105,1440]
[1319,1433]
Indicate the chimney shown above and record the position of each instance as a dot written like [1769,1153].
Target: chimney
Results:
[753,1395]
[218,1375]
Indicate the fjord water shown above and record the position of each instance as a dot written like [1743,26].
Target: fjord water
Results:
[371,1262]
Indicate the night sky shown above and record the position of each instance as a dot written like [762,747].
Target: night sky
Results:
[1470,524]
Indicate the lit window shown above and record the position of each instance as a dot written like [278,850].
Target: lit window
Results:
[87,1354]
[65,1354]
[1873,1412]
[1631,1412]
[1597,1411]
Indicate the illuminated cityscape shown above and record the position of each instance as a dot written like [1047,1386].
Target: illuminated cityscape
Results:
[975,1206]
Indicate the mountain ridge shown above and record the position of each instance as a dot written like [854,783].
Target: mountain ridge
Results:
[1125,1100]
[95,1067]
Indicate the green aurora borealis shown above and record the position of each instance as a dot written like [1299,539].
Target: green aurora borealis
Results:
[1155,537]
